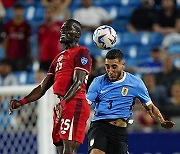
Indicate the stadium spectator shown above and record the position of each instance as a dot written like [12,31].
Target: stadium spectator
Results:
[153,64]
[145,14]
[172,38]
[8,3]
[48,39]
[6,76]
[168,75]
[2,10]
[172,108]
[68,74]
[166,17]
[60,7]
[2,14]
[39,76]
[171,44]
[113,95]
[156,92]
[91,16]
[17,33]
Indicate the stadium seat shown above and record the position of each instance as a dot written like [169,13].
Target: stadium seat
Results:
[128,39]
[104,3]
[21,76]
[174,49]
[112,10]
[125,11]
[30,78]
[134,3]
[1,53]
[9,14]
[39,13]
[120,24]
[86,39]
[155,39]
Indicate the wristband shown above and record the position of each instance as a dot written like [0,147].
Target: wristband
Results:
[62,103]
[23,101]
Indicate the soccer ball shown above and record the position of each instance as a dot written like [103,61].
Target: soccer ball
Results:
[105,37]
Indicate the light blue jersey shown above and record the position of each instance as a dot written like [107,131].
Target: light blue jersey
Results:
[115,100]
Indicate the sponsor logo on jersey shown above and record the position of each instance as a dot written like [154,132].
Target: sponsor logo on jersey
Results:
[103,91]
[84,60]
[124,91]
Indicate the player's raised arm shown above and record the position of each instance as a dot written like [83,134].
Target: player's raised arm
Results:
[157,116]
[34,95]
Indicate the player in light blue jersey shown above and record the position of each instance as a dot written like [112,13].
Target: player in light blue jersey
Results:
[113,95]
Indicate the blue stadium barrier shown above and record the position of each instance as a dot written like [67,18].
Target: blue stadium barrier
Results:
[139,143]
[148,143]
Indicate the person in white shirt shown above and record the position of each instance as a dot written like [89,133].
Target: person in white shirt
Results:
[91,16]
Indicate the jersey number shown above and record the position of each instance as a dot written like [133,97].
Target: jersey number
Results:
[65,125]
[59,63]
[110,104]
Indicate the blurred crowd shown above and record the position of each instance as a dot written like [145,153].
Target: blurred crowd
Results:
[29,41]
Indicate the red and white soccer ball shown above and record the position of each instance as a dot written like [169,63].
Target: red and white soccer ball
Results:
[105,37]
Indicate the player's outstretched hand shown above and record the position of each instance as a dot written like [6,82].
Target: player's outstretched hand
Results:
[14,104]
[167,124]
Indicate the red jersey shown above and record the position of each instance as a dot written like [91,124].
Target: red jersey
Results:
[63,67]
[18,36]
[48,39]
[8,3]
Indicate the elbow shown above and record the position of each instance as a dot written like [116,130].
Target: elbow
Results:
[79,85]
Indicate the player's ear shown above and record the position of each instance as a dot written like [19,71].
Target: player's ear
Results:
[123,63]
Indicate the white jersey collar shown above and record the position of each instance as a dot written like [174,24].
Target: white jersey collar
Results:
[121,80]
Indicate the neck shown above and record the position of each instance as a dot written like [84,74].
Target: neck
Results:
[121,75]
[72,45]
[18,20]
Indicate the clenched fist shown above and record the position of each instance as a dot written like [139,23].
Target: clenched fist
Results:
[14,104]
[167,124]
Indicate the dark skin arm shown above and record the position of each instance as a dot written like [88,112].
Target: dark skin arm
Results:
[78,79]
[157,116]
[35,94]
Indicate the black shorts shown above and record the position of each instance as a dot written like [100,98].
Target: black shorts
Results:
[107,138]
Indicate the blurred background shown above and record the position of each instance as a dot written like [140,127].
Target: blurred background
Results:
[148,35]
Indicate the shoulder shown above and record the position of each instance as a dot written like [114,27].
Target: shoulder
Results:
[100,78]
[10,22]
[133,79]
[82,50]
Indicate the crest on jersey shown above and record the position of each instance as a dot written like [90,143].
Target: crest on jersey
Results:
[124,91]
[84,60]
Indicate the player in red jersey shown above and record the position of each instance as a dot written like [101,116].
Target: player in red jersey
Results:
[68,75]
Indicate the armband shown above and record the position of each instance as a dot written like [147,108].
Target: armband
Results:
[23,101]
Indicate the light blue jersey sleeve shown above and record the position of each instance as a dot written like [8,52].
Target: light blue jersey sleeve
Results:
[143,94]
[93,90]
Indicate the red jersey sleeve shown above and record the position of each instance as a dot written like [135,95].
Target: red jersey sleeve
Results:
[83,60]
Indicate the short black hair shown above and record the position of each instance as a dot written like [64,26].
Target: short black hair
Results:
[6,61]
[18,6]
[115,53]
[155,49]
[76,24]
